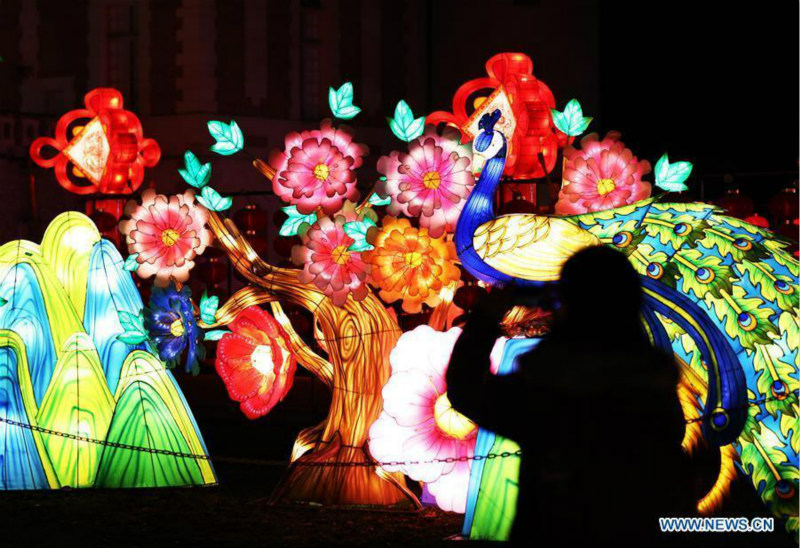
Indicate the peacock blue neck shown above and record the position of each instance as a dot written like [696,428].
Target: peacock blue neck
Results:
[478,210]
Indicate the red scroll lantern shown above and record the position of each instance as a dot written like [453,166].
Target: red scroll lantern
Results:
[512,88]
[104,145]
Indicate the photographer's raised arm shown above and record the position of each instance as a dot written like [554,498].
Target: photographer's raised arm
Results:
[490,401]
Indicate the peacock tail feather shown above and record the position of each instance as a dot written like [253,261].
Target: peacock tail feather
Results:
[722,294]
[712,502]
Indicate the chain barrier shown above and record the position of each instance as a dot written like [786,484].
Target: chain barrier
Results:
[105,443]
[344,464]
[178,454]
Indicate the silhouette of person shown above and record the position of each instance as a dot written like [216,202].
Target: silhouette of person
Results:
[593,407]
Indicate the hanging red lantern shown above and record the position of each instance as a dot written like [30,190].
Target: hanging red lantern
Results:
[212,269]
[103,220]
[103,143]
[105,213]
[788,229]
[757,220]
[260,245]
[736,204]
[524,103]
[251,219]
[784,204]
[212,272]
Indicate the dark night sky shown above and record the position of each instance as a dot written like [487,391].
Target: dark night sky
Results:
[715,83]
[718,85]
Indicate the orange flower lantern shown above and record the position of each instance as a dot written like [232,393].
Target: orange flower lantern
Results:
[525,103]
[103,144]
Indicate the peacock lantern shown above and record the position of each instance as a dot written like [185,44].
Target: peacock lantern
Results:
[720,293]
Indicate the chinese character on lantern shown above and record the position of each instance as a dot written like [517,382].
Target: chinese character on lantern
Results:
[99,149]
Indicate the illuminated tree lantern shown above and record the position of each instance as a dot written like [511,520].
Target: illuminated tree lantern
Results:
[99,149]
[525,103]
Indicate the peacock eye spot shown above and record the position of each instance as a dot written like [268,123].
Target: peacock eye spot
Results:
[704,275]
[746,321]
[743,244]
[681,229]
[784,489]
[623,239]
[782,287]
[779,389]
[719,419]
[655,270]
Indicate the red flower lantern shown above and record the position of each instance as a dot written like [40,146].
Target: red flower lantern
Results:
[256,362]
[102,143]
[525,104]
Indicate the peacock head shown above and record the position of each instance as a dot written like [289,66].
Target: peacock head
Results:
[490,142]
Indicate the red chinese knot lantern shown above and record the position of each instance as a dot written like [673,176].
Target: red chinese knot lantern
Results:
[99,149]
